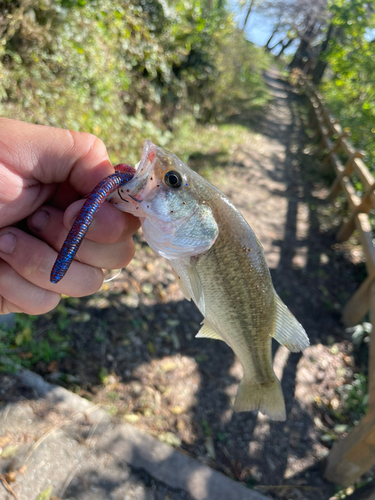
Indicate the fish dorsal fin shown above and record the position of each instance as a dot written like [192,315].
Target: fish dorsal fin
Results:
[288,331]
[208,331]
[197,289]
[183,289]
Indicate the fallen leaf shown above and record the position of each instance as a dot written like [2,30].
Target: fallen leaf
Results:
[45,495]
[151,348]
[172,322]
[177,410]
[132,418]
[9,451]
[170,438]
[209,445]
[168,365]
[147,288]
[10,476]
[4,440]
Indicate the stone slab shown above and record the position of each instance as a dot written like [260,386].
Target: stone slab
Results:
[74,448]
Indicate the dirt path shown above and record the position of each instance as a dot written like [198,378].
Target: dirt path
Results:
[132,345]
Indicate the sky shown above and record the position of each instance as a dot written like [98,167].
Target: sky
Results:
[258,28]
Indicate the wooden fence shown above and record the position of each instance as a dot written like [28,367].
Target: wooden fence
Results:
[355,454]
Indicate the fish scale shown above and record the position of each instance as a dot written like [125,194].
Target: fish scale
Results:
[238,273]
[219,264]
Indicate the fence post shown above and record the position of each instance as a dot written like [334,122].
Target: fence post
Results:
[354,455]
[365,206]
[348,169]
[358,305]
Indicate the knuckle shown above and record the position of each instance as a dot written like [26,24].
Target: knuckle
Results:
[86,145]
[124,254]
[35,264]
[130,252]
[90,143]
[89,284]
[42,302]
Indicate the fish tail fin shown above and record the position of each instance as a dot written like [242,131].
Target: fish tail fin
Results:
[267,398]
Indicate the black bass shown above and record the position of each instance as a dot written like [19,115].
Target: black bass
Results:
[220,265]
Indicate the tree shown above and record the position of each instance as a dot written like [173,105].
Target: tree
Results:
[301,20]
[350,88]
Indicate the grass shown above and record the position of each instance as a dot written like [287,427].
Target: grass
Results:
[26,345]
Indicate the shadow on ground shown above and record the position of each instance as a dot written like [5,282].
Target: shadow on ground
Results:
[145,356]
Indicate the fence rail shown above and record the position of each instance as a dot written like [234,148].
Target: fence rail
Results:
[355,454]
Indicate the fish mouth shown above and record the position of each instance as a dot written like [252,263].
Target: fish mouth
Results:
[136,191]
[130,196]
[134,198]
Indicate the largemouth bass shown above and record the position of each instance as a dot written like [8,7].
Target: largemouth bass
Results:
[220,265]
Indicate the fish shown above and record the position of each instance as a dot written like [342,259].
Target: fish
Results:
[220,265]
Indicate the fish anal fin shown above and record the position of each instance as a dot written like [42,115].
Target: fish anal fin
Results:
[288,331]
[197,289]
[183,288]
[208,331]
[267,398]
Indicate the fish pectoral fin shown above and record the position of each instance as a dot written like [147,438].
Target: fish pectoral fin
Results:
[208,331]
[288,331]
[196,286]
[183,289]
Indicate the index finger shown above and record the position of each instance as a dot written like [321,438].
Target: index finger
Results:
[109,224]
[52,155]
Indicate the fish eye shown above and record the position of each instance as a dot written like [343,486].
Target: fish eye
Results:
[173,179]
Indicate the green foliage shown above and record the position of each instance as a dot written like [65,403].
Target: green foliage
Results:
[355,398]
[24,345]
[123,70]
[350,87]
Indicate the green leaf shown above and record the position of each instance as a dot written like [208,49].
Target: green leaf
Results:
[46,494]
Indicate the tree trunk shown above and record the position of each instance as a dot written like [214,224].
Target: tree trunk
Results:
[302,53]
[284,47]
[267,46]
[281,41]
[248,14]
[321,63]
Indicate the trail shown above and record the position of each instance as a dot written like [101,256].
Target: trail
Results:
[275,182]
[132,347]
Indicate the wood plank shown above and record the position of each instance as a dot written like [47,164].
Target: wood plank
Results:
[328,144]
[354,455]
[353,200]
[365,206]
[371,370]
[364,173]
[347,229]
[347,147]
[337,165]
[331,122]
[359,305]
[344,172]
[362,223]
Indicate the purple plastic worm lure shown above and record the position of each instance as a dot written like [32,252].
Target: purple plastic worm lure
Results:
[123,174]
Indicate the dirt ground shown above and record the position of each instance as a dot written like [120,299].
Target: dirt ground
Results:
[132,345]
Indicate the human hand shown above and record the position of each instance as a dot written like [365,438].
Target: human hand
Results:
[44,173]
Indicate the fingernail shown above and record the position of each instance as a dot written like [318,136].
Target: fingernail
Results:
[7,243]
[39,220]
